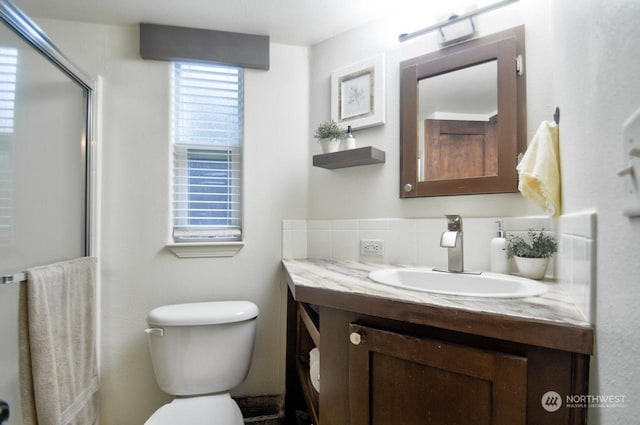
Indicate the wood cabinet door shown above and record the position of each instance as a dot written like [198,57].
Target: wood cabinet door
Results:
[396,379]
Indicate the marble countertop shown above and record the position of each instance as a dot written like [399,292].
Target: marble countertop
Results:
[553,307]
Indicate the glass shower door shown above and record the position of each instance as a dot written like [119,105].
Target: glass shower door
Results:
[44,118]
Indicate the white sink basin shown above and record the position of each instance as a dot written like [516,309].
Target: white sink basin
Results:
[487,285]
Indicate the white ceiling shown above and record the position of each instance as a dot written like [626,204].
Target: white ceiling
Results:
[298,22]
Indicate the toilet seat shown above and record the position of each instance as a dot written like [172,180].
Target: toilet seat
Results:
[219,409]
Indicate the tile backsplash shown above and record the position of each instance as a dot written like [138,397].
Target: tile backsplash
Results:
[417,242]
[406,241]
[577,259]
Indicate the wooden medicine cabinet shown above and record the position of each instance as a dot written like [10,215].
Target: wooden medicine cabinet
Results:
[463,117]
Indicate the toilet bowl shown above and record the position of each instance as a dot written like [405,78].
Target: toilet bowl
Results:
[202,410]
[199,352]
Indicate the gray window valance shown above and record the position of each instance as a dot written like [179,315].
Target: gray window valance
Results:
[169,43]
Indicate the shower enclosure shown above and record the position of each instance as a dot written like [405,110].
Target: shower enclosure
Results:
[46,139]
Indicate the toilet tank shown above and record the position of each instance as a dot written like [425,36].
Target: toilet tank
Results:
[202,348]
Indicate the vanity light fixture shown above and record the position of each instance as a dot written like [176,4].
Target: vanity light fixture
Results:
[456,27]
[457,31]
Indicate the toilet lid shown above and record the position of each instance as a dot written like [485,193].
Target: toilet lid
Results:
[204,313]
[203,410]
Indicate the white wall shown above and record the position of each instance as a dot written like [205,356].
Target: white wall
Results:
[597,87]
[138,272]
[373,191]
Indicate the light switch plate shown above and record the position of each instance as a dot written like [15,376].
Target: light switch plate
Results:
[631,140]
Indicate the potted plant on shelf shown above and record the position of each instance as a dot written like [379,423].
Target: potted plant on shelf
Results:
[329,133]
[532,255]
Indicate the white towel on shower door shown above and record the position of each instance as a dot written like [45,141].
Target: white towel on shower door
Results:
[58,367]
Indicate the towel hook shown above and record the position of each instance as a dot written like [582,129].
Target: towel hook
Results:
[556,116]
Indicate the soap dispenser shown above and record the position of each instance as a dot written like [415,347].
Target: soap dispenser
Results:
[498,249]
[349,142]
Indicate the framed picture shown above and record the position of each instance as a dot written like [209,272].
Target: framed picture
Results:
[357,94]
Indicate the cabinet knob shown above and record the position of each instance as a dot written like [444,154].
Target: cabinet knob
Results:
[355,338]
[408,187]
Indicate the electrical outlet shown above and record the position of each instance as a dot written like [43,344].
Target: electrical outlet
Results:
[372,247]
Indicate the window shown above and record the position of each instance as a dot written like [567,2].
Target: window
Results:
[8,72]
[207,151]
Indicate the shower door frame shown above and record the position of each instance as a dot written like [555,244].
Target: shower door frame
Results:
[26,29]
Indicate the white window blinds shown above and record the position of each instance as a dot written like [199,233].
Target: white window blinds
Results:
[8,69]
[8,72]
[207,151]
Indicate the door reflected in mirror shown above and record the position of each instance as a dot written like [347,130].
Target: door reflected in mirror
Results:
[457,120]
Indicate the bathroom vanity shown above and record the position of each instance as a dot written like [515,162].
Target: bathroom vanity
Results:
[391,356]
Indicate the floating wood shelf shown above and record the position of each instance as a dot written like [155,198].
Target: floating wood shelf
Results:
[349,158]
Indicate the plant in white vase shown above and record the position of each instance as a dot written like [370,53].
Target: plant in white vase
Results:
[532,255]
[328,134]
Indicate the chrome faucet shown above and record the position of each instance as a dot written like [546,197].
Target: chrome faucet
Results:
[452,240]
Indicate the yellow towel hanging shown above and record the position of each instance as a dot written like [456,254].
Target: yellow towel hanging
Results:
[539,169]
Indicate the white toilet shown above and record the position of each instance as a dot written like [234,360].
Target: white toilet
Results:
[200,351]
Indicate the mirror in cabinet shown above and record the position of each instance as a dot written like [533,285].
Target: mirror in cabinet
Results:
[463,117]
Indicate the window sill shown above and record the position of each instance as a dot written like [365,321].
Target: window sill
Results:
[205,249]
